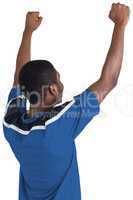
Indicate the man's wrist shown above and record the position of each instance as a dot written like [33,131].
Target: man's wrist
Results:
[28,31]
[120,26]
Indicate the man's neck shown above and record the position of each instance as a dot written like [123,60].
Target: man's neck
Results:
[33,110]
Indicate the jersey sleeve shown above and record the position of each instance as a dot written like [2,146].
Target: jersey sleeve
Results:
[82,110]
[16,103]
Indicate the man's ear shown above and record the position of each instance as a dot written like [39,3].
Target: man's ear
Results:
[53,90]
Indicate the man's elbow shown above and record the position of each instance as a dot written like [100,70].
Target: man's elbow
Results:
[109,83]
[114,83]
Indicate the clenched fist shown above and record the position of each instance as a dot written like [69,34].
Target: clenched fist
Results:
[33,21]
[119,14]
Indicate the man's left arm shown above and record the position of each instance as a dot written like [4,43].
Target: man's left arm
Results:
[33,21]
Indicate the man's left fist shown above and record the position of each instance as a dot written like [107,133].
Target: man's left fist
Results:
[33,21]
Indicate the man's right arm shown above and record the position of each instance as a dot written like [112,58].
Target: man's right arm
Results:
[119,14]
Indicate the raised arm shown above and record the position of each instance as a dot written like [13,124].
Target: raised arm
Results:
[33,21]
[119,14]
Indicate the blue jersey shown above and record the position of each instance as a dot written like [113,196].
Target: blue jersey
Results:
[44,145]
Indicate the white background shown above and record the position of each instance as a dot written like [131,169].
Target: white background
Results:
[75,37]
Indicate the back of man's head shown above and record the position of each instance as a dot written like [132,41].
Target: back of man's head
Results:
[36,75]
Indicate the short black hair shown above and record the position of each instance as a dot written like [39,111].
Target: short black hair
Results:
[34,75]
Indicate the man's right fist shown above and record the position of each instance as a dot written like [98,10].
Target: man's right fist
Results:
[119,14]
[33,21]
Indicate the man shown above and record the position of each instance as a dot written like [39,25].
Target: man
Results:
[43,138]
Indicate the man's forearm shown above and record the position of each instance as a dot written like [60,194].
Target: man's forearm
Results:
[113,63]
[24,54]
